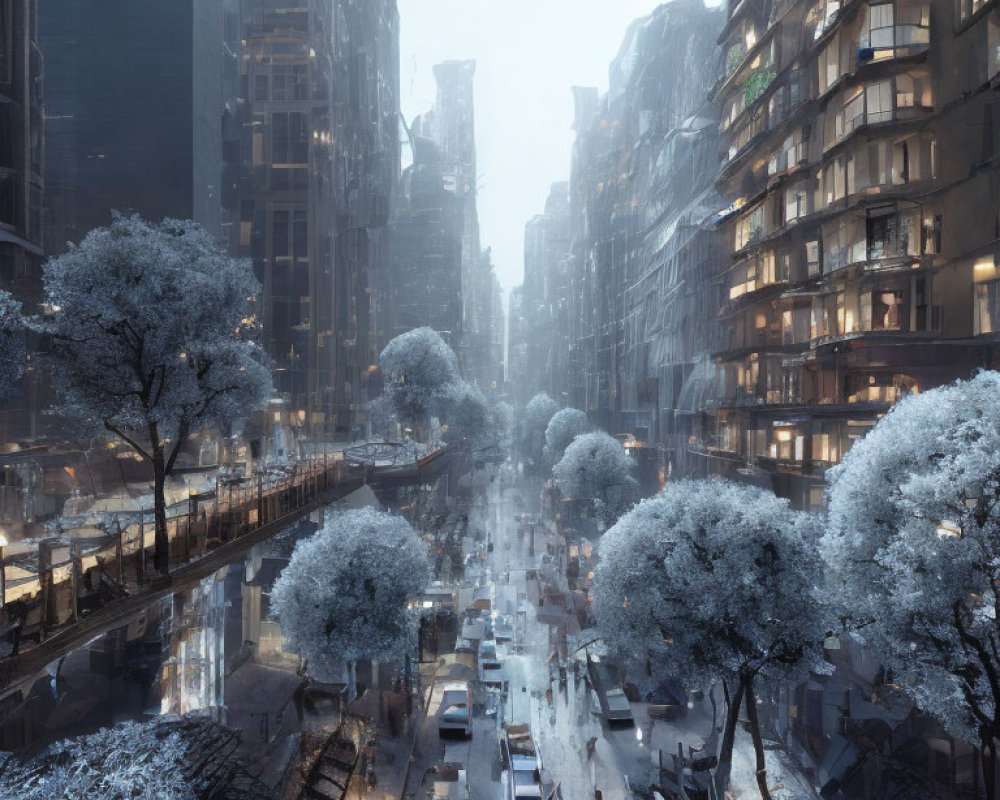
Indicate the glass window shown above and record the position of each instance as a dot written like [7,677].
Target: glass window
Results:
[279,237]
[812,258]
[987,307]
[879,101]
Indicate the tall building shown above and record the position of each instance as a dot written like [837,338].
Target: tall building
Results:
[607,268]
[440,277]
[21,181]
[858,172]
[133,112]
[544,300]
[319,92]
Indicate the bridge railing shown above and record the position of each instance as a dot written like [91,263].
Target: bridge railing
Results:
[46,584]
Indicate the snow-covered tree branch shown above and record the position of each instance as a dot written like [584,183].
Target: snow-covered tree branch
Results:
[145,326]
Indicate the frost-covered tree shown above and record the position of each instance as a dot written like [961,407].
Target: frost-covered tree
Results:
[418,368]
[463,409]
[565,425]
[714,582]
[150,760]
[913,543]
[596,466]
[145,329]
[344,594]
[13,350]
[531,430]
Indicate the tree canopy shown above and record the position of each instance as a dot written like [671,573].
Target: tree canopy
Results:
[565,425]
[913,544]
[147,760]
[418,369]
[531,431]
[13,349]
[344,594]
[596,466]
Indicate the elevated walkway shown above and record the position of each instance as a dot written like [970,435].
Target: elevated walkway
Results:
[61,593]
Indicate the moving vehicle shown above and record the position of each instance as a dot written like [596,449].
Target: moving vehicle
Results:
[617,710]
[503,628]
[525,777]
[448,782]
[490,667]
[455,712]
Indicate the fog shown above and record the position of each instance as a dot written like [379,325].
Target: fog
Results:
[529,54]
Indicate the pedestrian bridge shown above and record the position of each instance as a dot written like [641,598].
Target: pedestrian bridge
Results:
[62,592]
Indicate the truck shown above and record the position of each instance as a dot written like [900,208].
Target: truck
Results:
[455,711]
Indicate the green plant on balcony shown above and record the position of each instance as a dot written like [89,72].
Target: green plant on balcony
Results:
[757,83]
[734,56]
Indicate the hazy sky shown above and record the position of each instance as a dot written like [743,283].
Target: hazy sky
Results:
[528,54]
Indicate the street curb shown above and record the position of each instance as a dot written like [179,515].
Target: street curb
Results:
[416,722]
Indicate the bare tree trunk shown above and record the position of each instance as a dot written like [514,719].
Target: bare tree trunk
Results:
[758,743]
[352,680]
[728,738]
[161,546]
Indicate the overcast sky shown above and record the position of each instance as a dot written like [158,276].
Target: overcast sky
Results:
[529,53]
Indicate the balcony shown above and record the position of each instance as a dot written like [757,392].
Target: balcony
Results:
[902,98]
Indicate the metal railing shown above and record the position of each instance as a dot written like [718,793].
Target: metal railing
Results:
[57,581]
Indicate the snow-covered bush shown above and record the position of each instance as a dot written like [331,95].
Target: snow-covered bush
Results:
[595,466]
[345,591]
[132,760]
[712,581]
[418,367]
[146,328]
[531,430]
[913,548]
[565,425]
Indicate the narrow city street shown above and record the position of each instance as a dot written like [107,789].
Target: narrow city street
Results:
[579,752]
[561,713]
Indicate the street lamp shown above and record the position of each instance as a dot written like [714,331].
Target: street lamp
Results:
[3,571]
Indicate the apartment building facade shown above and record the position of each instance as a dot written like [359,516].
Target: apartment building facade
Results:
[860,227]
